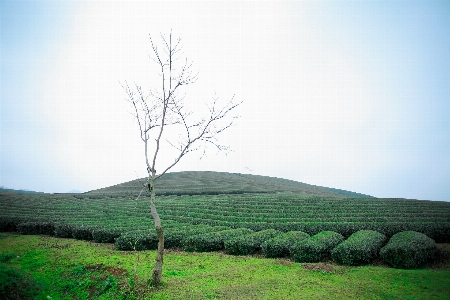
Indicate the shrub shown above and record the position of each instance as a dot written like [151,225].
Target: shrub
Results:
[317,247]
[173,237]
[102,235]
[360,248]
[9,224]
[36,228]
[16,284]
[408,249]
[279,246]
[249,243]
[137,240]
[64,231]
[212,241]
[82,233]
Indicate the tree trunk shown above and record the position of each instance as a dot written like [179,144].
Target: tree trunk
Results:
[157,270]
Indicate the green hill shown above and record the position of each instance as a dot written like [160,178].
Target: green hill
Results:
[211,199]
[214,183]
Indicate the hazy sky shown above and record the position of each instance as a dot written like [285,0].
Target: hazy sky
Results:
[352,95]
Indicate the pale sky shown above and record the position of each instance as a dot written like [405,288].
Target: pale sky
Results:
[352,95]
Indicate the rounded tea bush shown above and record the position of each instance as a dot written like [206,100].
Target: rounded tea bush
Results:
[82,233]
[360,248]
[137,240]
[102,235]
[36,227]
[249,243]
[408,250]
[279,246]
[316,247]
[212,241]
[64,231]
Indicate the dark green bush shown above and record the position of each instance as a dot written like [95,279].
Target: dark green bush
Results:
[28,228]
[173,237]
[82,233]
[359,249]
[36,228]
[9,224]
[279,246]
[317,247]
[249,243]
[64,231]
[212,241]
[137,240]
[16,284]
[102,235]
[408,250]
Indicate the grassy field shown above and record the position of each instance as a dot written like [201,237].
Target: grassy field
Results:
[47,267]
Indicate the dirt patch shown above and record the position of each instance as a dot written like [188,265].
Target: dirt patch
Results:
[111,270]
[320,267]
[115,271]
[92,292]
[283,262]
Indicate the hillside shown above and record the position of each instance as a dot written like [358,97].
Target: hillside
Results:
[213,183]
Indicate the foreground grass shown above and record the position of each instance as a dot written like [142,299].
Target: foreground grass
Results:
[40,267]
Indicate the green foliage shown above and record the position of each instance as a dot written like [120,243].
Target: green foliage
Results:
[316,247]
[6,257]
[137,240]
[15,284]
[359,249]
[279,246]
[173,237]
[408,250]
[8,224]
[82,233]
[64,231]
[212,241]
[249,243]
[102,235]
[36,228]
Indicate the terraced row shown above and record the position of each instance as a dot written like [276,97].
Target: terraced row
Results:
[284,212]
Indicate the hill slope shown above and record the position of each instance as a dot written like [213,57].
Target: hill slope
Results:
[213,183]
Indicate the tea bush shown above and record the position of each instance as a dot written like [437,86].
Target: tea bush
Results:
[408,250]
[64,231]
[316,247]
[8,224]
[360,248]
[212,241]
[82,233]
[137,240]
[249,243]
[102,235]
[279,246]
[36,228]
[173,237]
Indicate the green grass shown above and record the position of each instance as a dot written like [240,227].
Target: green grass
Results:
[72,269]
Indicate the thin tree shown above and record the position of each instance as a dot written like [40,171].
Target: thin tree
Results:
[163,107]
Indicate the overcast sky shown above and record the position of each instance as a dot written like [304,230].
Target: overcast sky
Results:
[352,95]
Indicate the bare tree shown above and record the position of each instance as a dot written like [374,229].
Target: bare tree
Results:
[164,107]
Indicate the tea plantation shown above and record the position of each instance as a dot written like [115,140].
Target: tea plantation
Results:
[225,208]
